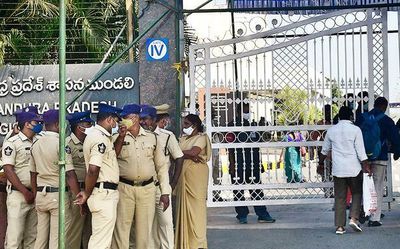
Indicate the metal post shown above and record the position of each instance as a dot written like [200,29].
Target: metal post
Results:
[62,77]
[178,58]
[112,63]
[130,31]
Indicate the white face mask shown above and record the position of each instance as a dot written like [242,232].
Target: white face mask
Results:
[246,116]
[89,130]
[167,126]
[188,131]
[115,129]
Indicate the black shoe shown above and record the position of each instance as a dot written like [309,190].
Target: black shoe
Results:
[363,219]
[374,224]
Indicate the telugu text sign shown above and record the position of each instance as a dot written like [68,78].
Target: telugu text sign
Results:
[22,86]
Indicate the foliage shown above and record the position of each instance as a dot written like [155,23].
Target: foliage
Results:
[29,30]
[293,109]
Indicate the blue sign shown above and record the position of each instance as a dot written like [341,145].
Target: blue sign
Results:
[157,49]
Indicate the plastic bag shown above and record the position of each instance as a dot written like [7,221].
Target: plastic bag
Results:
[370,197]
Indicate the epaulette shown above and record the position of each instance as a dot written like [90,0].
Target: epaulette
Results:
[13,138]
[166,132]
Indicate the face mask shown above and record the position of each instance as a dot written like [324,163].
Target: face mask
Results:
[37,128]
[246,116]
[188,131]
[351,105]
[127,122]
[114,130]
[89,130]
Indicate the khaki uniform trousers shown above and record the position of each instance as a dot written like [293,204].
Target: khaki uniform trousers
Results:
[22,222]
[47,212]
[103,206]
[80,230]
[163,227]
[136,204]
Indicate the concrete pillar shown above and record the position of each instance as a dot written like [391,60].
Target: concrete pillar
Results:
[158,79]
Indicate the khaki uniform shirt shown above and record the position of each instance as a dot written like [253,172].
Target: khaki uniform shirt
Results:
[75,146]
[142,158]
[16,152]
[44,159]
[98,150]
[169,144]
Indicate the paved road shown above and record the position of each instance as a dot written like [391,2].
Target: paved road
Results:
[298,227]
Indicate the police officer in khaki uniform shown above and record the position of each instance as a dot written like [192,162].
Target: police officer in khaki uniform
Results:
[140,158]
[22,219]
[45,182]
[152,119]
[80,230]
[102,177]
[15,130]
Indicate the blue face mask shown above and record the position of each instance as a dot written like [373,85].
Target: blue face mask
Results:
[37,128]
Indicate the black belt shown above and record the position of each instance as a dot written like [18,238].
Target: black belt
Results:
[49,189]
[136,183]
[81,185]
[107,185]
[14,188]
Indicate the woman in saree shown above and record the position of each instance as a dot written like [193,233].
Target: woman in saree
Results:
[191,189]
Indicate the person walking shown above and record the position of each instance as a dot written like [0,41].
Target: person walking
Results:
[389,135]
[191,189]
[345,142]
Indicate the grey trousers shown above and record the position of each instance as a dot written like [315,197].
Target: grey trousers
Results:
[340,188]
[379,172]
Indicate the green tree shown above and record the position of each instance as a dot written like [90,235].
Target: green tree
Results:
[292,107]
[29,30]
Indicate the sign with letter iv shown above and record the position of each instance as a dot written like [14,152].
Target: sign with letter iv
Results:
[157,49]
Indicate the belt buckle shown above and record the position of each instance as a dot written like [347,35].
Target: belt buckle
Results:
[137,183]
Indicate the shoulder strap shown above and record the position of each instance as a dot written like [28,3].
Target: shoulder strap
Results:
[380,116]
[166,145]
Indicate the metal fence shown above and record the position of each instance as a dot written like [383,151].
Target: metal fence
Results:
[267,99]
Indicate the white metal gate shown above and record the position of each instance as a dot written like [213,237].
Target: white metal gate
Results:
[291,79]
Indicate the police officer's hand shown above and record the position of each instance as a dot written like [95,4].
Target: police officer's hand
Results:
[396,157]
[122,130]
[84,209]
[29,197]
[81,198]
[164,200]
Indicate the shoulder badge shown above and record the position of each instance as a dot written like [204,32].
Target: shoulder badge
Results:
[8,151]
[102,148]
[67,149]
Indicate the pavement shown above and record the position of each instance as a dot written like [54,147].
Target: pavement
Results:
[308,226]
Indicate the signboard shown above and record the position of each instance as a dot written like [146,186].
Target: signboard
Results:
[22,86]
[157,49]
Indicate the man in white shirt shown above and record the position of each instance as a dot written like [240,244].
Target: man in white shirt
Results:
[345,141]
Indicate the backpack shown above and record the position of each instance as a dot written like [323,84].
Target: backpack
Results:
[372,135]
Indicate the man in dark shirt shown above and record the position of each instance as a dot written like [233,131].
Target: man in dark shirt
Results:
[389,135]
[245,168]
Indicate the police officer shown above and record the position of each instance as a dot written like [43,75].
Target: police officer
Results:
[45,182]
[140,158]
[22,219]
[152,119]
[15,130]
[80,123]
[102,177]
